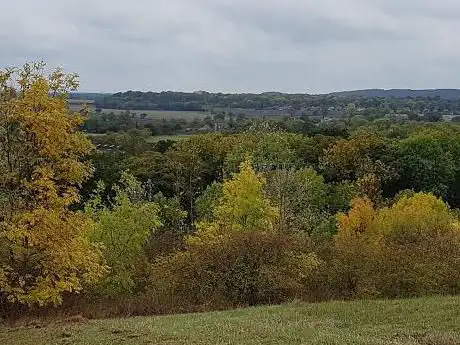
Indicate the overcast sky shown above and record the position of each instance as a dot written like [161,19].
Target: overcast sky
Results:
[309,46]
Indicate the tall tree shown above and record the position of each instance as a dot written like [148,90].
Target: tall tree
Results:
[44,247]
[242,207]
[123,228]
[301,197]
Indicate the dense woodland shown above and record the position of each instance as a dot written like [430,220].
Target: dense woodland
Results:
[265,213]
[370,102]
[232,113]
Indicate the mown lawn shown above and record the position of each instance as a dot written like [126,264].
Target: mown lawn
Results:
[426,321]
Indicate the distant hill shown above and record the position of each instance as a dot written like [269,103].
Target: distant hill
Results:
[87,95]
[446,101]
[449,94]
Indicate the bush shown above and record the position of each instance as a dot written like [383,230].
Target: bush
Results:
[247,268]
[409,249]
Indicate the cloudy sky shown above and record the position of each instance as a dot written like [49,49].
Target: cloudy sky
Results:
[310,46]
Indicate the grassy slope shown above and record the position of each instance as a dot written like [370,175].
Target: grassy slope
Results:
[427,321]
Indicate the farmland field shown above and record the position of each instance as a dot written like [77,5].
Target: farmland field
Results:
[426,321]
[187,115]
[162,114]
[156,138]
[150,139]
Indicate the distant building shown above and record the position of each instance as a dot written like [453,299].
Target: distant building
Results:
[399,117]
[79,104]
[450,118]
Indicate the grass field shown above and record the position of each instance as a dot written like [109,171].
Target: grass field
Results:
[426,321]
[163,114]
[151,139]
[156,138]
[187,115]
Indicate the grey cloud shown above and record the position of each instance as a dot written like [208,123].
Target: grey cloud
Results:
[238,45]
[307,28]
[446,9]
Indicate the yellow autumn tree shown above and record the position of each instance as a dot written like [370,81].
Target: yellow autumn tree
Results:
[358,220]
[408,249]
[44,247]
[241,208]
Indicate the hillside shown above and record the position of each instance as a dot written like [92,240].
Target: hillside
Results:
[444,100]
[427,321]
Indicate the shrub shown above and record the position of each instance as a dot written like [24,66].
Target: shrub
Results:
[409,249]
[247,268]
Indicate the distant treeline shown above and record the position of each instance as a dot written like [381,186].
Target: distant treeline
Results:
[449,94]
[381,101]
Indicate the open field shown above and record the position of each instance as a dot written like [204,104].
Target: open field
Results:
[150,139]
[186,115]
[426,321]
[162,114]
[156,138]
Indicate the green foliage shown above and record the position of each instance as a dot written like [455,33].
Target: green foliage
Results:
[353,158]
[241,208]
[238,257]
[301,197]
[123,228]
[428,160]
[170,235]
[207,201]
[171,214]
[340,196]
[265,149]
[108,167]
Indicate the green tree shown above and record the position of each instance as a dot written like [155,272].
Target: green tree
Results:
[266,149]
[123,228]
[301,197]
[429,160]
[170,235]
[206,202]
[350,111]
[361,158]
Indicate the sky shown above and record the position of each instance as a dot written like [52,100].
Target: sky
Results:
[304,46]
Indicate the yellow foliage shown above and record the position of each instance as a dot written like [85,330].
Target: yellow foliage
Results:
[358,220]
[241,208]
[408,249]
[41,166]
[422,213]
